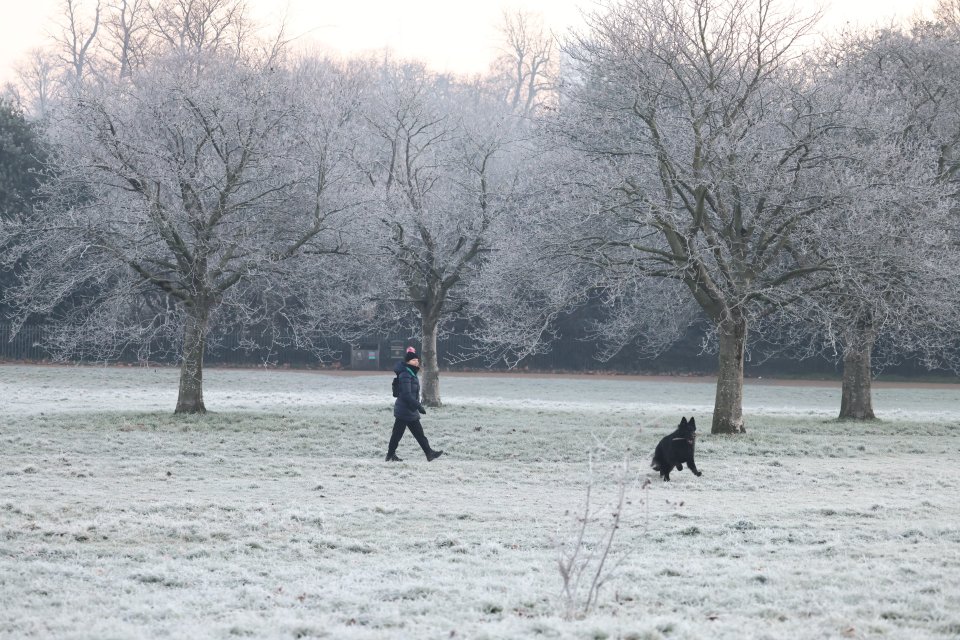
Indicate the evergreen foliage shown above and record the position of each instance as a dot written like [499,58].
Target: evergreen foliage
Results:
[21,161]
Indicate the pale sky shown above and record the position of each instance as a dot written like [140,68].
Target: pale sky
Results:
[450,35]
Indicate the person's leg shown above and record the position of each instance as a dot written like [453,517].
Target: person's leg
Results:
[399,426]
[417,430]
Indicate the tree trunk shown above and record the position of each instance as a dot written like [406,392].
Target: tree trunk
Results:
[428,361]
[728,407]
[855,401]
[190,398]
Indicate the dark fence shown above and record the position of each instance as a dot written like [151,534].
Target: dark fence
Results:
[455,352]
[232,349]
[375,353]
[25,345]
[458,352]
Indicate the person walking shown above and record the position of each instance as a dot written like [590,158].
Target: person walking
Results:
[407,408]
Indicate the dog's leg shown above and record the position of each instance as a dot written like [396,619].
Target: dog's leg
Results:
[693,467]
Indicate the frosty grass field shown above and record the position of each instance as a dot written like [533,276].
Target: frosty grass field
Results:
[276,517]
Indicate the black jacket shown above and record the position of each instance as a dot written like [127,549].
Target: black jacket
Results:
[407,406]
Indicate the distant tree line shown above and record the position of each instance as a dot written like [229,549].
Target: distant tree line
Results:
[677,176]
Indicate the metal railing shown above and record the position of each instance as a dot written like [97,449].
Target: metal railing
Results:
[228,349]
[25,345]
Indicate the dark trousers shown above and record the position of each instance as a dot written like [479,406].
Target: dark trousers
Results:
[399,426]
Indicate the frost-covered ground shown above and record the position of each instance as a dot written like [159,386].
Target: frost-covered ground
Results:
[275,516]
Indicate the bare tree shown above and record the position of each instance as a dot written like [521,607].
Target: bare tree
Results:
[886,248]
[96,39]
[11,95]
[45,73]
[38,78]
[698,117]
[947,13]
[77,37]
[891,241]
[527,62]
[540,269]
[200,28]
[127,34]
[526,284]
[181,199]
[440,162]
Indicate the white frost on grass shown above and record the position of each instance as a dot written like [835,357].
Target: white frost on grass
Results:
[280,520]
[62,389]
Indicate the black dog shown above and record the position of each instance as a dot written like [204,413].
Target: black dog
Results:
[675,449]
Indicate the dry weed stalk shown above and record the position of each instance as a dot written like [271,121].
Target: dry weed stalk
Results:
[587,559]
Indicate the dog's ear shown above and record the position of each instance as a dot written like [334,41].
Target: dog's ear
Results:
[683,422]
[692,423]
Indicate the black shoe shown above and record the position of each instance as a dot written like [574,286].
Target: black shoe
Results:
[392,457]
[433,455]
